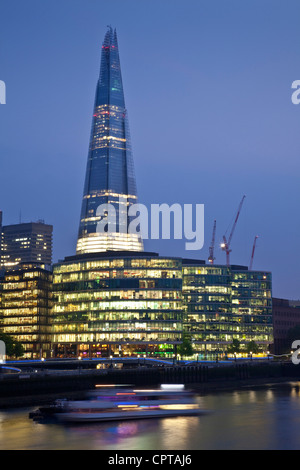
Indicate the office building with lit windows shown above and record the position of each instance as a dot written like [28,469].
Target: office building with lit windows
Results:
[112,304]
[110,179]
[112,298]
[117,304]
[25,305]
[25,243]
[222,303]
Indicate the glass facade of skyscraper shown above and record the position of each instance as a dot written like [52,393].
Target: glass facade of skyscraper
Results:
[117,305]
[110,178]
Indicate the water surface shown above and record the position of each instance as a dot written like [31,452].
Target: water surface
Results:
[257,418]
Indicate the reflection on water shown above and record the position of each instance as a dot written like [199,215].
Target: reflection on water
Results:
[266,418]
[181,428]
[126,429]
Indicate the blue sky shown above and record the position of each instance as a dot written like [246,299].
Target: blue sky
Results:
[208,91]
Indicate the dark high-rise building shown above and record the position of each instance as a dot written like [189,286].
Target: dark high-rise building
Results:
[25,243]
[286,316]
[110,175]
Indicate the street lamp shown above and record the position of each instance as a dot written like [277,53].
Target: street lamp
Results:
[79,367]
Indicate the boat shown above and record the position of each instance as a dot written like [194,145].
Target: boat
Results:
[48,411]
[130,404]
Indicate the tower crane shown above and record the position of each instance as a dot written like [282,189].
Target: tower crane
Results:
[226,243]
[253,251]
[211,257]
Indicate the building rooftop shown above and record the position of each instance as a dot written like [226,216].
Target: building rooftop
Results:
[110,254]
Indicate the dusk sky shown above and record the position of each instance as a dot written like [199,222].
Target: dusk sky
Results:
[208,91]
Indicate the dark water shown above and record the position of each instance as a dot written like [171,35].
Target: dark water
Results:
[261,418]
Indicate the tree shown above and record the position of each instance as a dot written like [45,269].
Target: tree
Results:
[234,347]
[293,334]
[252,347]
[186,347]
[12,347]
[18,350]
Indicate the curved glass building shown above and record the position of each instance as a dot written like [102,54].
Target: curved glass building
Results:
[110,180]
[117,304]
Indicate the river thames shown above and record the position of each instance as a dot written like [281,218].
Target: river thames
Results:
[257,418]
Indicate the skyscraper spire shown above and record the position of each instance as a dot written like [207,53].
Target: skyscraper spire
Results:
[110,175]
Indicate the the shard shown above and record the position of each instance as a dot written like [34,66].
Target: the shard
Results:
[110,178]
